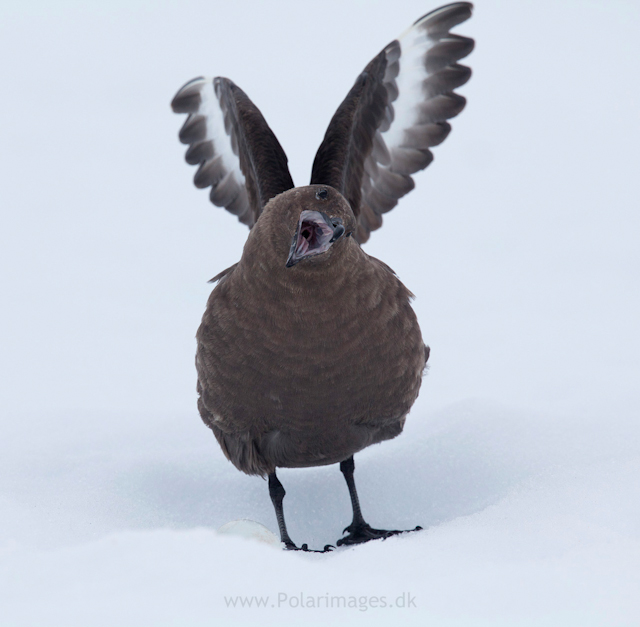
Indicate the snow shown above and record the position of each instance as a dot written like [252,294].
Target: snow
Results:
[526,522]
[521,457]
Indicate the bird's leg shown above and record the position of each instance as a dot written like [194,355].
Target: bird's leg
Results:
[277,492]
[359,530]
[346,468]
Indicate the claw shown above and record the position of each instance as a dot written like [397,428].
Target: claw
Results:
[290,546]
[359,534]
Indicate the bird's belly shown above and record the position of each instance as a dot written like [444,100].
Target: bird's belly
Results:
[308,389]
[316,404]
[315,416]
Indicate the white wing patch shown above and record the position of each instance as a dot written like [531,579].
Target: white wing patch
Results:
[212,145]
[216,132]
[420,77]
[413,45]
[428,74]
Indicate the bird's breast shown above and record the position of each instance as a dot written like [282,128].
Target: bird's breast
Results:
[291,356]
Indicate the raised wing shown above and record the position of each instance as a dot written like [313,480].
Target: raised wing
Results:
[395,112]
[238,154]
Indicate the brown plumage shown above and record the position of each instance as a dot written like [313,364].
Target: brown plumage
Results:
[309,350]
[307,365]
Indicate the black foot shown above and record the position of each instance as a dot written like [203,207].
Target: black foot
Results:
[363,533]
[290,546]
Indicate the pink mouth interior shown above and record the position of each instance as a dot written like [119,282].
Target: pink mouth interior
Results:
[314,235]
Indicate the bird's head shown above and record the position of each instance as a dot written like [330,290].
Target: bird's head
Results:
[306,227]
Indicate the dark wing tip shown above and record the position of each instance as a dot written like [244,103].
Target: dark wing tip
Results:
[193,130]
[223,274]
[446,80]
[447,51]
[187,100]
[446,17]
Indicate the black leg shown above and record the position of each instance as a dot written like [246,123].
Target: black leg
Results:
[346,468]
[359,530]
[277,492]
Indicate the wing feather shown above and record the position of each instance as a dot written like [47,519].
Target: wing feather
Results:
[237,153]
[396,111]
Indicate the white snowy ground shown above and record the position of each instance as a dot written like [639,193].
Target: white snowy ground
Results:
[521,457]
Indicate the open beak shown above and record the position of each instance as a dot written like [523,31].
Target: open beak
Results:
[314,236]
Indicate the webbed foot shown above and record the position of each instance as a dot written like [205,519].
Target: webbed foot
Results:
[364,532]
[290,546]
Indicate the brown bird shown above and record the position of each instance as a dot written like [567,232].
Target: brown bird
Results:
[309,350]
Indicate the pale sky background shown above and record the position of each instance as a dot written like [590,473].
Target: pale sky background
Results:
[519,240]
[520,243]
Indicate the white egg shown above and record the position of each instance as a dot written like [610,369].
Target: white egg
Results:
[249,529]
